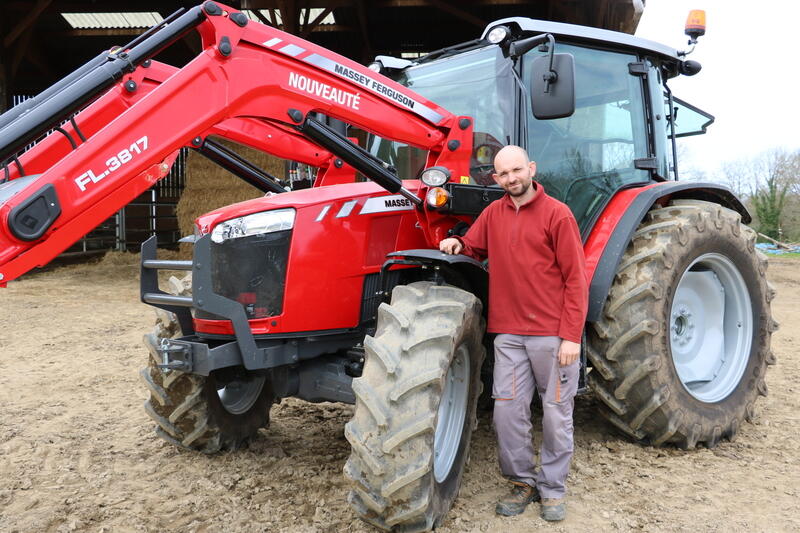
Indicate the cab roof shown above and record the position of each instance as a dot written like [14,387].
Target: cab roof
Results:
[587,34]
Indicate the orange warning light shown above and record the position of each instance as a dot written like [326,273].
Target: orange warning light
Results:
[696,24]
[437,197]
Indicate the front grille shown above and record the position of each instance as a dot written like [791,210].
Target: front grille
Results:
[252,271]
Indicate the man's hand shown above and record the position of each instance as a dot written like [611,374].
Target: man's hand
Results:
[451,246]
[568,352]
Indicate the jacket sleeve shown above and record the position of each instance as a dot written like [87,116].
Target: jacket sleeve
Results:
[476,240]
[571,261]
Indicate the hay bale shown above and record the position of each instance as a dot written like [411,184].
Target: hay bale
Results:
[209,187]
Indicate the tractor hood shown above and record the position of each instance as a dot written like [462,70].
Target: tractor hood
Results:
[355,195]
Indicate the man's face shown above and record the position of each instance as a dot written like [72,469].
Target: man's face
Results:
[513,173]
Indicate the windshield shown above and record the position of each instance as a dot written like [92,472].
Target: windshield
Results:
[478,84]
[584,159]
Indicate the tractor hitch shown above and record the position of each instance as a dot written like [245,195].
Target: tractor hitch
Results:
[175,356]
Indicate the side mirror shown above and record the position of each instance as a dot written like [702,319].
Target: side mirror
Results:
[553,87]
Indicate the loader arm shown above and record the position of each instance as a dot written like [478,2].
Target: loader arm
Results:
[251,83]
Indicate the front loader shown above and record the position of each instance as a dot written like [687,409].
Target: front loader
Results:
[339,293]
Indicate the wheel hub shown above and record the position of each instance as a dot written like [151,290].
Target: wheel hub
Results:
[711,328]
[238,396]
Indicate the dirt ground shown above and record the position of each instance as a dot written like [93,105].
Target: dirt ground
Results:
[78,453]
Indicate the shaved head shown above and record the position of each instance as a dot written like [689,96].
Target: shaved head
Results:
[511,152]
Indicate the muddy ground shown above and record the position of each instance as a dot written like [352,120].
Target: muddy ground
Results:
[78,453]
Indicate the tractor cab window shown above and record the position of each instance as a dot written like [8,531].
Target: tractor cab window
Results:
[479,84]
[584,159]
[689,120]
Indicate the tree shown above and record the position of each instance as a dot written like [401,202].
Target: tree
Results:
[771,178]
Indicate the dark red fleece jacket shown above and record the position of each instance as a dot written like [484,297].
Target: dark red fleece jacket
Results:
[537,271]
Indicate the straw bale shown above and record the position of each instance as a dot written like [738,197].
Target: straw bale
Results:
[210,187]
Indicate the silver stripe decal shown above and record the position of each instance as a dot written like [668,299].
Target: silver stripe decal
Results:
[374,86]
[346,209]
[323,213]
[383,204]
[272,42]
[292,50]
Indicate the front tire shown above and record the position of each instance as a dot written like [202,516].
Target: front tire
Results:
[201,413]
[679,354]
[415,407]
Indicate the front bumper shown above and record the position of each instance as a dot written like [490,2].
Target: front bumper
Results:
[196,355]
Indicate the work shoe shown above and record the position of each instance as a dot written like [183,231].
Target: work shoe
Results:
[517,500]
[554,509]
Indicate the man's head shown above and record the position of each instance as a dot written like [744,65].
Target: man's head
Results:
[514,171]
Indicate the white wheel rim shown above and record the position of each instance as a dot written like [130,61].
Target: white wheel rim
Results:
[711,328]
[451,414]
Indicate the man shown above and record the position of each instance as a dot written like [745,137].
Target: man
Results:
[537,305]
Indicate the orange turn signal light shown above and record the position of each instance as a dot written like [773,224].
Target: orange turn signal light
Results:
[696,23]
[437,197]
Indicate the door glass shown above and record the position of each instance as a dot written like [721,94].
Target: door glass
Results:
[583,159]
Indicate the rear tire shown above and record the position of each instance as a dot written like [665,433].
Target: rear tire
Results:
[679,354]
[205,414]
[415,407]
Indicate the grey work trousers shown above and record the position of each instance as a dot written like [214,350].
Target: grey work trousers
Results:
[522,364]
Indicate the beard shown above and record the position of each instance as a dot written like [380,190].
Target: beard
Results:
[525,186]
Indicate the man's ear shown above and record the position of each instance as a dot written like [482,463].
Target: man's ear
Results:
[494,177]
[532,166]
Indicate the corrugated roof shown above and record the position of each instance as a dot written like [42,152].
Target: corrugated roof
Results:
[314,12]
[80,21]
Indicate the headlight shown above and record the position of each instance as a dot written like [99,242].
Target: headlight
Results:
[435,176]
[498,34]
[255,224]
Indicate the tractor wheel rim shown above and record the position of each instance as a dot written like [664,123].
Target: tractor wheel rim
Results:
[451,415]
[238,396]
[711,328]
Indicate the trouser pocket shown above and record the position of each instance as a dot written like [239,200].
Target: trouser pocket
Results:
[505,381]
[504,376]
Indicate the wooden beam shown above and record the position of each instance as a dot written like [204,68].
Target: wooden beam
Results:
[458,12]
[602,15]
[4,103]
[308,28]
[35,57]
[26,22]
[102,32]
[263,19]
[362,22]
[289,16]
[332,28]
[20,50]
[424,3]
[306,15]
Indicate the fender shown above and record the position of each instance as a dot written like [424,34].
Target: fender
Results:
[473,272]
[616,225]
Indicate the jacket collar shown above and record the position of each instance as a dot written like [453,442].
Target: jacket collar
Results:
[536,197]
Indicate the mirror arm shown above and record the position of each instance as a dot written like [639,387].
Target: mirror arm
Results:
[552,76]
[518,48]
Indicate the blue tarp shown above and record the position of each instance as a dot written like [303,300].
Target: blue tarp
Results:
[773,248]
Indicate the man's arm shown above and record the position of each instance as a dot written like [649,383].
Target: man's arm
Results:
[475,243]
[571,261]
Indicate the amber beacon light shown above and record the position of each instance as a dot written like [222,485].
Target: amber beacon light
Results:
[695,25]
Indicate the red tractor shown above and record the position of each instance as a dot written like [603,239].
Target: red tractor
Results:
[338,292]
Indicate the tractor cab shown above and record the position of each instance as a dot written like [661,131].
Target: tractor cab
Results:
[619,133]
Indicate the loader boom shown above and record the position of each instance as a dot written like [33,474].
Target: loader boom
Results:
[251,83]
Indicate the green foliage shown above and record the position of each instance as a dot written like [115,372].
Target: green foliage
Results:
[769,201]
[769,185]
